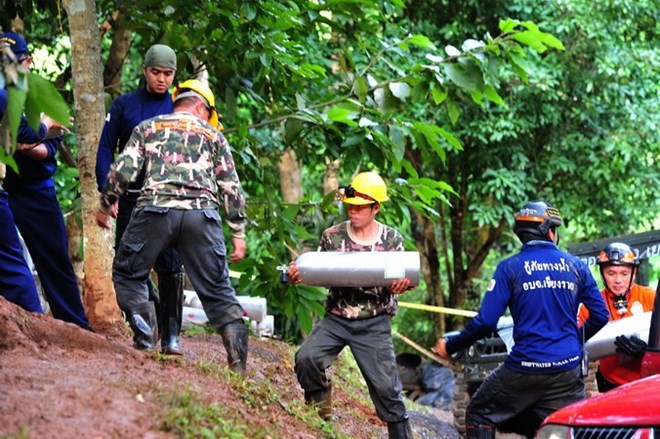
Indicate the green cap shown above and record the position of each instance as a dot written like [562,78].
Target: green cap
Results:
[160,55]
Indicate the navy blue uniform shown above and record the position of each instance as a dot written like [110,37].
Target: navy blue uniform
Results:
[127,112]
[16,282]
[37,214]
[542,287]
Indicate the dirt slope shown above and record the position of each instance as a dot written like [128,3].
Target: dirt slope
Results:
[58,381]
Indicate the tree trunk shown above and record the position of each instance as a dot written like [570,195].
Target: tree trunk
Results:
[121,42]
[99,298]
[331,176]
[290,177]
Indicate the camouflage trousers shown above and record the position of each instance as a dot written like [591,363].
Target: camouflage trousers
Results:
[370,341]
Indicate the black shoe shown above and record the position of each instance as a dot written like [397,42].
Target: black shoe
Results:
[400,430]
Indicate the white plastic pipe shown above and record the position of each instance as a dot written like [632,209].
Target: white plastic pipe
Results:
[193,312]
[255,307]
[357,269]
[265,328]
[602,344]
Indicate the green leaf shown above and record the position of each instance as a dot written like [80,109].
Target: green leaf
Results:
[449,137]
[472,44]
[341,115]
[304,319]
[508,25]
[15,104]
[8,159]
[453,110]
[452,51]
[410,169]
[292,129]
[44,97]
[400,90]
[439,94]
[551,41]
[360,88]
[248,10]
[466,76]
[531,39]
[520,65]
[421,41]
[491,94]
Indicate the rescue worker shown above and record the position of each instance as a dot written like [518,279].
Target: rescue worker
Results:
[36,211]
[188,173]
[126,113]
[624,298]
[542,286]
[357,317]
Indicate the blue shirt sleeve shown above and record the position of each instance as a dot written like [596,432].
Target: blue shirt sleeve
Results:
[492,308]
[593,300]
[105,155]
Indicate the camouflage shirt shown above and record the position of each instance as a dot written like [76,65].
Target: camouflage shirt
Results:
[188,165]
[360,303]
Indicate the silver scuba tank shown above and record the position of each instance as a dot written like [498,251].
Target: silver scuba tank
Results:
[357,269]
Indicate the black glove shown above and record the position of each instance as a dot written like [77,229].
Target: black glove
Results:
[633,346]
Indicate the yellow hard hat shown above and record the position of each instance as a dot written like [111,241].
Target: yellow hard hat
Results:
[201,90]
[366,188]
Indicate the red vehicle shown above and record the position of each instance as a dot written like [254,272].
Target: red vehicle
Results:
[631,411]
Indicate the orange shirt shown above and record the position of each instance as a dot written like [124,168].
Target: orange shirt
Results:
[620,368]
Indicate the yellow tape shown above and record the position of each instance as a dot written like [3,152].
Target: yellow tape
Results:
[440,309]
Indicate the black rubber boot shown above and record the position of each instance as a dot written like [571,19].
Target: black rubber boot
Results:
[481,432]
[235,339]
[142,319]
[170,293]
[400,430]
[321,399]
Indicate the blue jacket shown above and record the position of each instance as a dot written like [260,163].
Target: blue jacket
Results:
[543,287]
[126,113]
[37,173]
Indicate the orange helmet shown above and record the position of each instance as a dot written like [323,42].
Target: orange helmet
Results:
[537,217]
[617,253]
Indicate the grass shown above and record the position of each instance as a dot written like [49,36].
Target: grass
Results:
[187,415]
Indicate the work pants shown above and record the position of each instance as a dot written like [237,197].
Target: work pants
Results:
[168,261]
[518,402]
[198,237]
[39,219]
[16,281]
[370,341]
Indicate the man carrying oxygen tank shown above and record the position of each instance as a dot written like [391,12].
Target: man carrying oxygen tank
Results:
[357,317]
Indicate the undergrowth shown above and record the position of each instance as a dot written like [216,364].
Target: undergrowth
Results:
[188,416]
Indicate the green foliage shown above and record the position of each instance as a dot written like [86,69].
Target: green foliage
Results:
[30,95]
[453,106]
